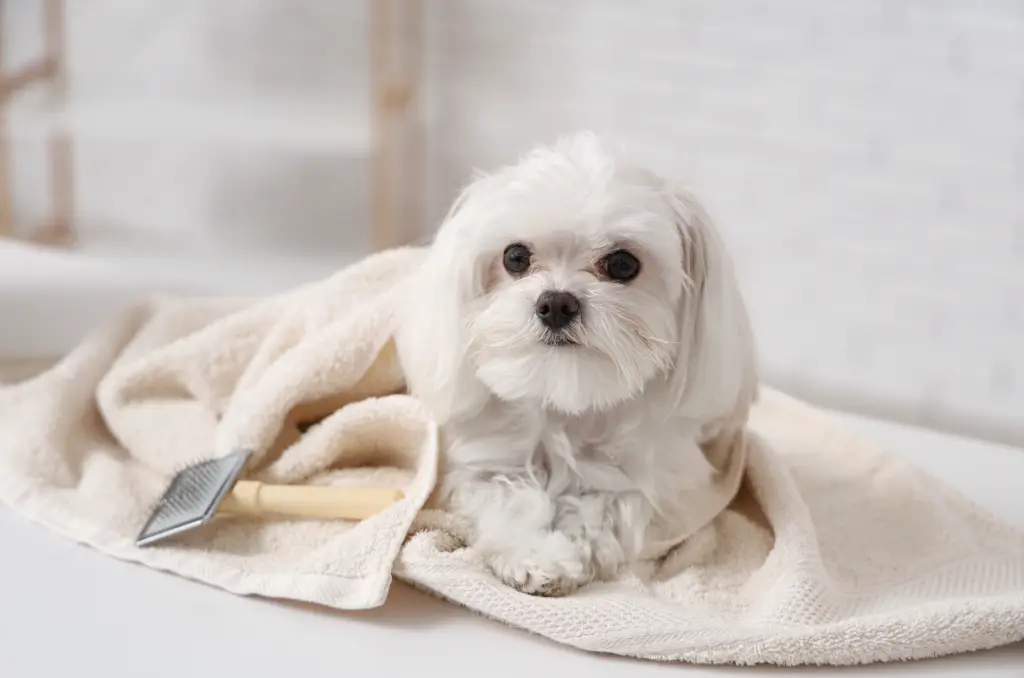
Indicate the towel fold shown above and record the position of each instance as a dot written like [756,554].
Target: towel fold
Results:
[832,552]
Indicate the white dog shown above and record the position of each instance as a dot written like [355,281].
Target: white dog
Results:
[577,331]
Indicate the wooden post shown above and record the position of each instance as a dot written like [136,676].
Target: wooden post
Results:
[51,67]
[396,174]
[382,218]
[415,166]
[60,230]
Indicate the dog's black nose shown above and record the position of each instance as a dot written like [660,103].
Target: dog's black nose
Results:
[557,309]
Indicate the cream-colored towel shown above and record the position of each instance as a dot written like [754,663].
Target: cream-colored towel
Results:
[833,551]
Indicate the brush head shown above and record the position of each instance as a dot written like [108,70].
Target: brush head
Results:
[193,497]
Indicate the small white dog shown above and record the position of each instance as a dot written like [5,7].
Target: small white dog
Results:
[577,331]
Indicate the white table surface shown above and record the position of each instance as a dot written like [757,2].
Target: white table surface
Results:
[66,610]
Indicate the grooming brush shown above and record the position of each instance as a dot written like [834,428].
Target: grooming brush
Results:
[210,488]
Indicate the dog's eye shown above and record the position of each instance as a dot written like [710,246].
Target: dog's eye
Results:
[517,258]
[621,266]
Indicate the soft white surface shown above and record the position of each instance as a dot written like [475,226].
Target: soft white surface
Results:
[117,619]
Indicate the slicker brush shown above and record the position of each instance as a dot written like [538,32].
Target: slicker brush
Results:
[212,487]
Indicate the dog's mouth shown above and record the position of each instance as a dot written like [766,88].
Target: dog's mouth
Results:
[551,339]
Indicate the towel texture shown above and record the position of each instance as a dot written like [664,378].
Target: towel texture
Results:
[831,552]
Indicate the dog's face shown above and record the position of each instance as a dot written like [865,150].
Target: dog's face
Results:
[581,279]
[572,280]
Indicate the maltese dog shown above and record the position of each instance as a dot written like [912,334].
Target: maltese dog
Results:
[578,333]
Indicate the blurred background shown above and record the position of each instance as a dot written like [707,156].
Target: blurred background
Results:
[863,158]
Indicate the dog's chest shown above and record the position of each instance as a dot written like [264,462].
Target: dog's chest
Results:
[595,438]
[593,453]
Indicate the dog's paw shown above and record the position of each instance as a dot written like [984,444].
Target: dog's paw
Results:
[553,565]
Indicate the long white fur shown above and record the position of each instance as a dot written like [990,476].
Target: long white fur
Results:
[571,462]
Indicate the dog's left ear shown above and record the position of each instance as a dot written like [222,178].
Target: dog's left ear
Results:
[714,379]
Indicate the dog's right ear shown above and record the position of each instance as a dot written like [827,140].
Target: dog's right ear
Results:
[431,334]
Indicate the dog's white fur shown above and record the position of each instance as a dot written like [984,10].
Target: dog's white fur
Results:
[572,461]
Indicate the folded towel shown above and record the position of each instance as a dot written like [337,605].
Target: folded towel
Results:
[832,552]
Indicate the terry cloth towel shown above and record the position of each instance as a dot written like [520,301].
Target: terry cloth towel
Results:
[831,551]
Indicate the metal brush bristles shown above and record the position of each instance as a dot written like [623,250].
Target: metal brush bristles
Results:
[192,497]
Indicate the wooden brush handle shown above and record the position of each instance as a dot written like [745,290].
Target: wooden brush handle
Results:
[254,498]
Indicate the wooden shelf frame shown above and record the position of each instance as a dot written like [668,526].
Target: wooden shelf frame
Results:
[397,136]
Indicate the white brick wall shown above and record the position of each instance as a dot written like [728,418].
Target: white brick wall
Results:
[865,158]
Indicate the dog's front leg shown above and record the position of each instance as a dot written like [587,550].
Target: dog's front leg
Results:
[610,526]
[546,545]
[513,519]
